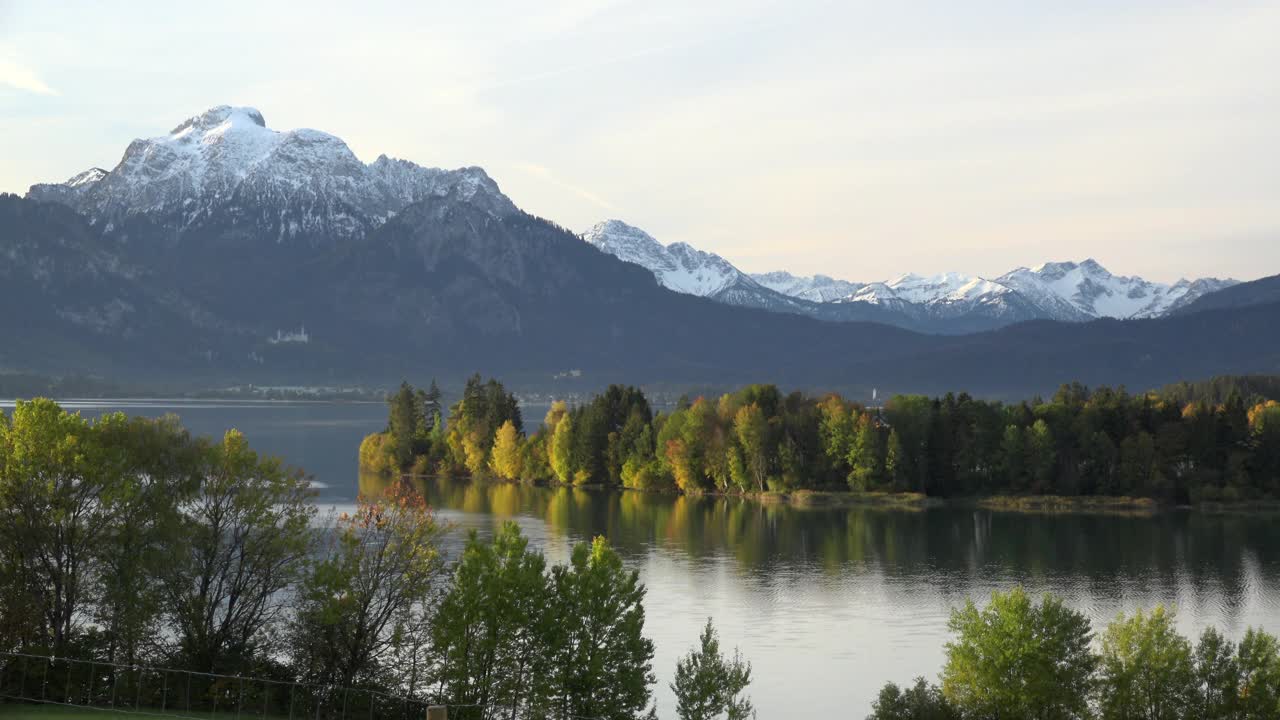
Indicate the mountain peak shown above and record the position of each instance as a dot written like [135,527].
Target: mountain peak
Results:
[218,115]
[296,182]
[88,177]
[678,266]
[1093,267]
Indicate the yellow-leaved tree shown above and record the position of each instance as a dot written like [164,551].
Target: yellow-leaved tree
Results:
[505,459]
[561,440]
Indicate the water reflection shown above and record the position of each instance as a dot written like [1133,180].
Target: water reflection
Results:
[823,595]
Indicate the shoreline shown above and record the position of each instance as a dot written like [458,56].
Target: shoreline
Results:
[914,501]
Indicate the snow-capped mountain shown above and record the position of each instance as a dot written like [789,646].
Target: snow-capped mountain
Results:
[947,303]
[686,269]
[1081,291]
[226,160]
[816,288]
[677,266]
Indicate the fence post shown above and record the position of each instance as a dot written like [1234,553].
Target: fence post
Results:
[438,712]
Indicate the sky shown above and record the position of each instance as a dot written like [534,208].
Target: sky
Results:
[856,139]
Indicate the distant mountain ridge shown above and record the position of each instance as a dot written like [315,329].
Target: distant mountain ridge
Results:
[949,303]
[193,257]
[687,270]
[1262,291]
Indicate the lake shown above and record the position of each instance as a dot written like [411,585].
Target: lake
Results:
[827,604]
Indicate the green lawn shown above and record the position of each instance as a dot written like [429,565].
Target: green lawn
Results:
[14,711]
[52,712]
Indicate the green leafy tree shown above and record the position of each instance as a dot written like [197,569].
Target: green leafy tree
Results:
[1139,465]
[1018,659]
[601,662]
[1146,668]
[708,685]
[1041,455]
[895,465]
[56,510]
[245,533]
[490,630]
[837,429]
[870,459]
[1013,459]
[1258,657]
[752,432]
[153,462]
[1217,678]
[922,701]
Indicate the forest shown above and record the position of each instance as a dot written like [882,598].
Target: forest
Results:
[1217,441]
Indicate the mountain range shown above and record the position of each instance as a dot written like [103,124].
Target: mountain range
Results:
[227,251]
[948,303]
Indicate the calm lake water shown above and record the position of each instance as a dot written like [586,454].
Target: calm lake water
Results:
[827,604]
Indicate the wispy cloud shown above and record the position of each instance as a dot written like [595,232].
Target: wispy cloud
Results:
[545,174]
[22,78]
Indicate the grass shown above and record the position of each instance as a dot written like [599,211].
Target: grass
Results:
[57,712]
[846,498]
[20,711]
[1071,504]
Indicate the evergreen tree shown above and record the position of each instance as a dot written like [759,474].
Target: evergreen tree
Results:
[403,422]
[708,685]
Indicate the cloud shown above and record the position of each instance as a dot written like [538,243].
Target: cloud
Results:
[21,78]
[545,174]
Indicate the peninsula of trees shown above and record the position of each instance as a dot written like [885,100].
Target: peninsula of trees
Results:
[1216,441]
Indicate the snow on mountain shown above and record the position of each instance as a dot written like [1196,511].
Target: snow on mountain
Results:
[1064,291]
[947,302]
[817,288]
[678,266]
[1073,291]
[86,178]
[300,180]
[685,269]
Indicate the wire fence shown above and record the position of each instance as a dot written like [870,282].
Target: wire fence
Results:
[161,692]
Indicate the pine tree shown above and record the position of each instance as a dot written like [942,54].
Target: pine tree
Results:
[708,685]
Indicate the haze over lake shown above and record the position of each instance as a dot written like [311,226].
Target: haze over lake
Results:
[828,604]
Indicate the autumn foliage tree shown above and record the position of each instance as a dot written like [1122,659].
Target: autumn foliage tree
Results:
[377,568]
